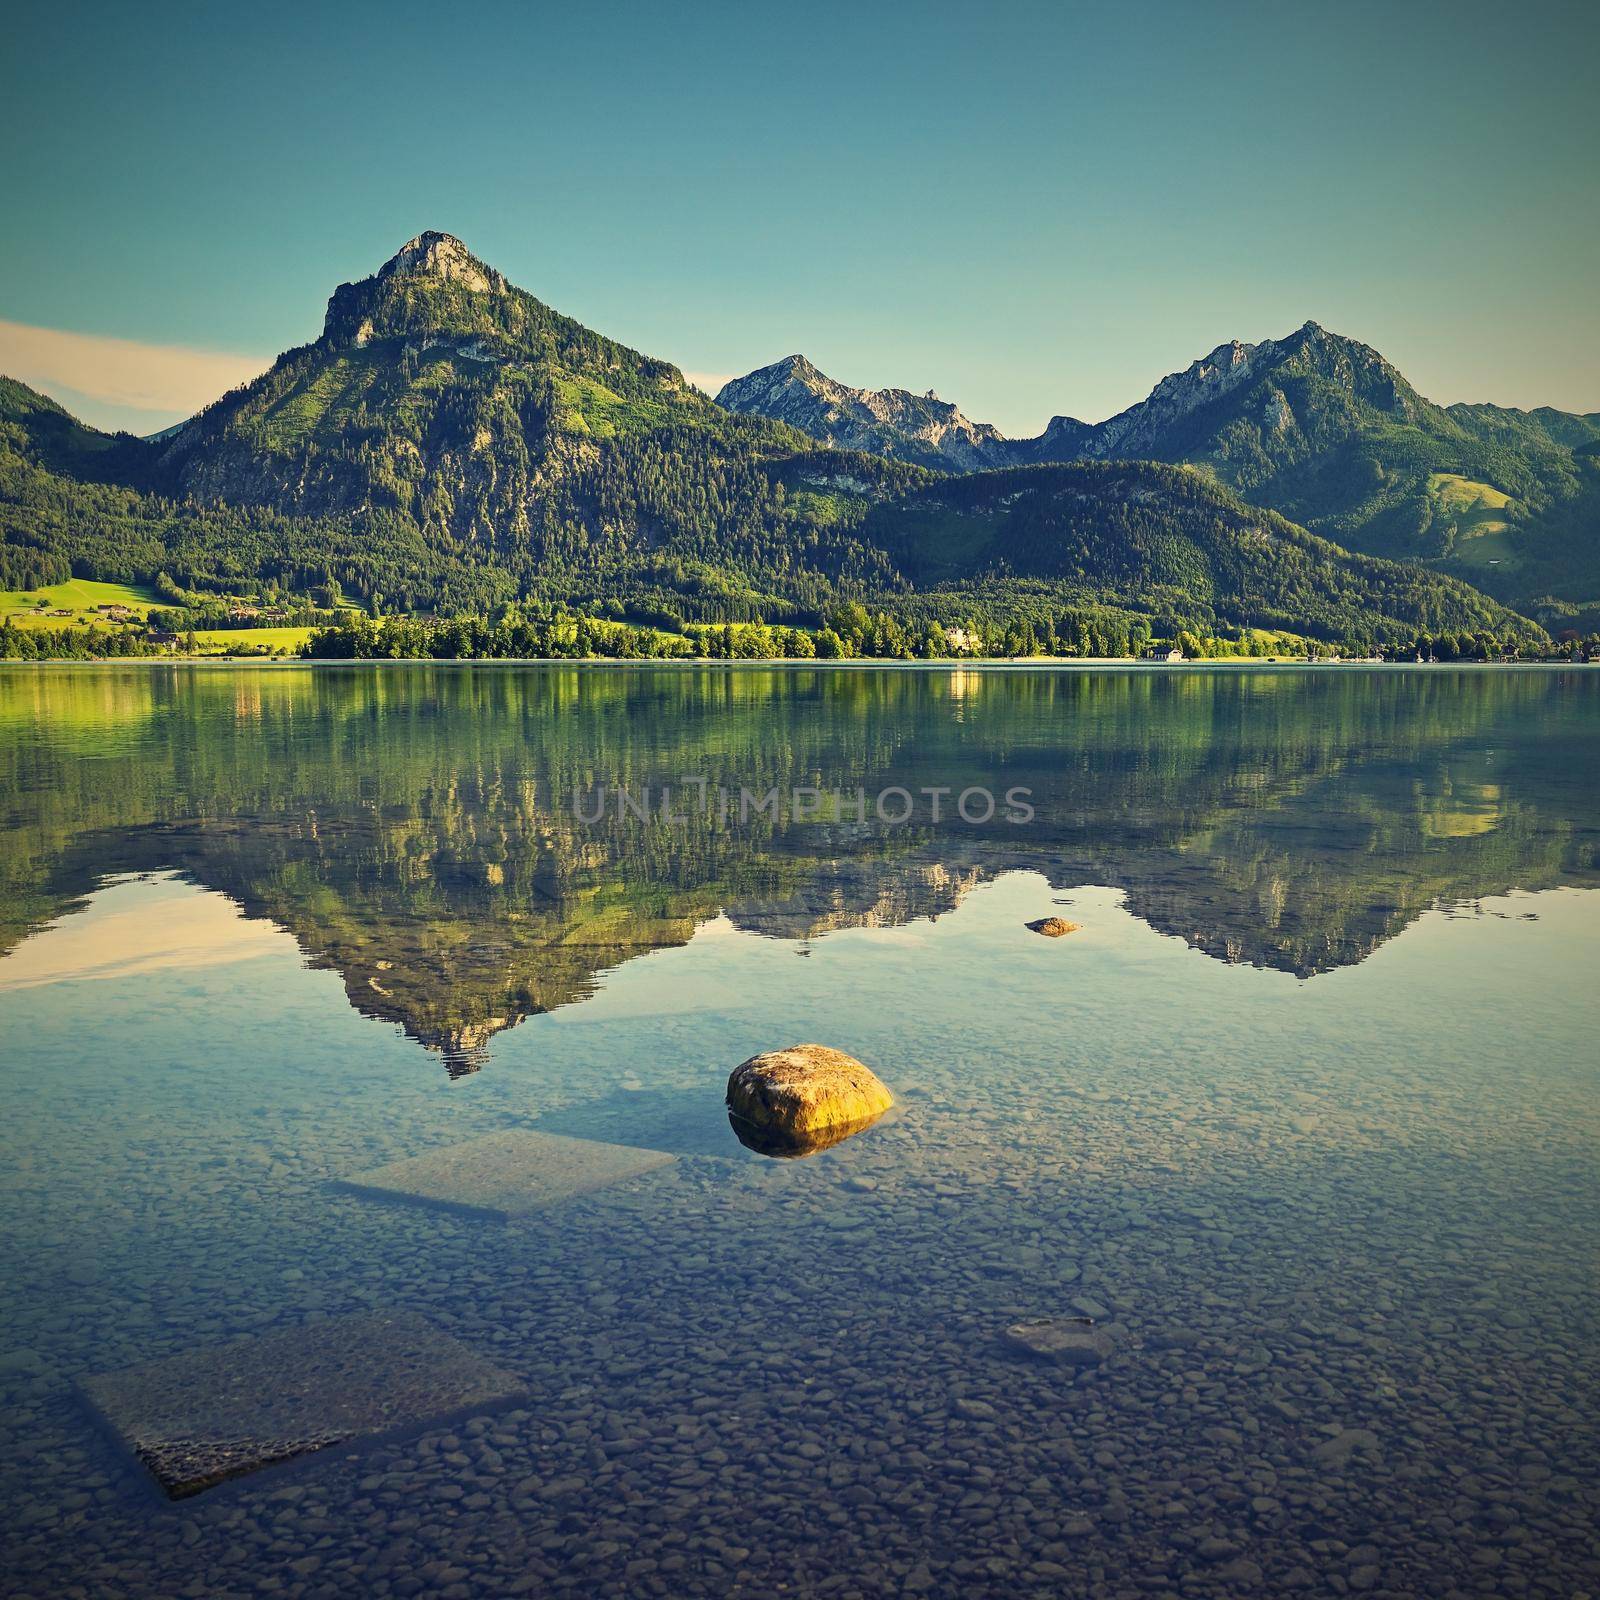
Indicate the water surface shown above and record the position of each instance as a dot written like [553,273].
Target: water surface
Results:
[1303,1117]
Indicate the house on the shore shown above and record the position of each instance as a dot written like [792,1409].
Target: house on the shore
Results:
[1166,653]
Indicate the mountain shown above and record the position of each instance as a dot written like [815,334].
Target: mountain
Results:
[1176,421]
[1180,416]
[451,444]
[1326,431]
[886,422]
[436,391]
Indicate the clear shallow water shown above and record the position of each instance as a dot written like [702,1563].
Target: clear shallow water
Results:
[1304,1116]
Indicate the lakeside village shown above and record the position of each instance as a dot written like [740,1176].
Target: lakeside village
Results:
[87,621]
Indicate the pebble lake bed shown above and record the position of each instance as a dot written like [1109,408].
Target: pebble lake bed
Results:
[1243,1242]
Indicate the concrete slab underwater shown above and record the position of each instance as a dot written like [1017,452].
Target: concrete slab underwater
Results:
[507,1174]
[200,1418]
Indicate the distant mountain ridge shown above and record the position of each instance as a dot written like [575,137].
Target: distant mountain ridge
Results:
[885,422]
[1315,425]
[1156,425]
[877,419]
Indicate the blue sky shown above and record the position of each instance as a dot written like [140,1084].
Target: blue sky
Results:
[1030,208]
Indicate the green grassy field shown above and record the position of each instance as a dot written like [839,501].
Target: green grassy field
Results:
[588,407]
[827,510]
[1275,641]
[78,596]
[218,641]
[1478,515]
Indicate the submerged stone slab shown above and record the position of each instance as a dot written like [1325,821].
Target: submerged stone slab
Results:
[507,1174]
[200,1418]
[1067,1341]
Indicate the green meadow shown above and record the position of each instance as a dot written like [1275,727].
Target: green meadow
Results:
[78,597]
[1478,516]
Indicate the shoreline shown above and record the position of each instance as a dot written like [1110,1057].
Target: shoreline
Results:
[797,663]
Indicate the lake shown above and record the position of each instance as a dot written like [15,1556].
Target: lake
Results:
[1301,1120]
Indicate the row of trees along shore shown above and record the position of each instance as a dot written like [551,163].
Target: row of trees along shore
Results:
[848,632]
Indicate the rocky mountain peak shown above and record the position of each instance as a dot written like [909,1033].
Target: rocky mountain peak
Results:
[1151,426]
[403,296]
[445,257]
[1136,431]
[895,422]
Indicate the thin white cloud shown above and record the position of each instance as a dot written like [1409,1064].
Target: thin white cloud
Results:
[162,382]
[710,382]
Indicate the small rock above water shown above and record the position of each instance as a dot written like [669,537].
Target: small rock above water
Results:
[1067,1341]
[1053,927]
[807,1095]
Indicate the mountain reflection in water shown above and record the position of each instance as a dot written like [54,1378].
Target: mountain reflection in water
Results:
[415,828]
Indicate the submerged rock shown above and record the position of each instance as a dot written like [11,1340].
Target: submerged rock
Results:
[1068,1341]
[803,1098]
[1348,1442]
[1053,927]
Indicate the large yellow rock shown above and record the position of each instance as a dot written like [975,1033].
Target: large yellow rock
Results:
[806,1094]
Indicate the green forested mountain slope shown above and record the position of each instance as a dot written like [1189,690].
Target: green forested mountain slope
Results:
[33,425]
[1165,540]
[1323,429]
[451,444]
[439,391]
[1319,427]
